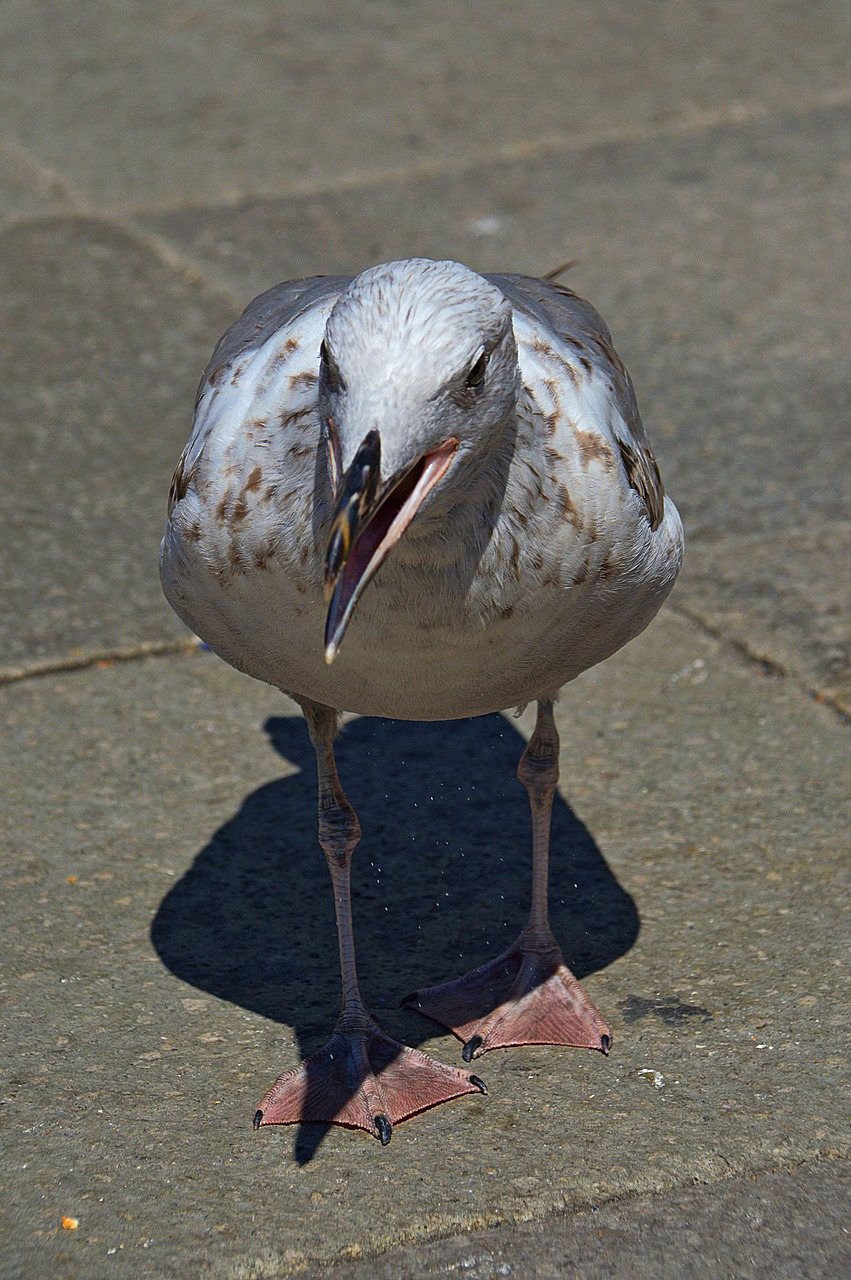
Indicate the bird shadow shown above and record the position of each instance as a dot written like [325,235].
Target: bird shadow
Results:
[441,880]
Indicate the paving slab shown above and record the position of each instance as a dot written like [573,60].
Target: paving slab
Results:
[714,258]
[785,600]
[168,941]
[103,345]
[792,1225]
[27,190]
[159,103]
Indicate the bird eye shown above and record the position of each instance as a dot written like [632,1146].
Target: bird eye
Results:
[476,375]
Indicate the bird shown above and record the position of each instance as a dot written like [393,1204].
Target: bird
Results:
[425,493]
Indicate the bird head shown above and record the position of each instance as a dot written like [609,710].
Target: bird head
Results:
[418,377]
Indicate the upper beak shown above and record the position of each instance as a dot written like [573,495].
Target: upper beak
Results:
[368,520]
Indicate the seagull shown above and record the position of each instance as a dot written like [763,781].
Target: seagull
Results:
[422,493]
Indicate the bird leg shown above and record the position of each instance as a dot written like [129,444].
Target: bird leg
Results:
[361,1078]
[527,995]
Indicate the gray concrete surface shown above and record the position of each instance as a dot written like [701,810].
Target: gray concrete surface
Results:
[154,996]
[788,1224]
[158,166]
[102,349]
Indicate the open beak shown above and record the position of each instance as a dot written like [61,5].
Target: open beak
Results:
[368,522]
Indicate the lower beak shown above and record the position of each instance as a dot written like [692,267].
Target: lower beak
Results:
[366,524]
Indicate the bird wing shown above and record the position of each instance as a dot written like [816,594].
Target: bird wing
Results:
[580,328]
[271,311]
[265,315]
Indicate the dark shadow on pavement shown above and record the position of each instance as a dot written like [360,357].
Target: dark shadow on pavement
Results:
[440,880]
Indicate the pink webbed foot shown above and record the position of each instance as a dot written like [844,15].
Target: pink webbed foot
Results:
[525,996]
[364,1080]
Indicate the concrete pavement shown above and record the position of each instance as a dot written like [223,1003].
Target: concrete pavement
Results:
[158,166]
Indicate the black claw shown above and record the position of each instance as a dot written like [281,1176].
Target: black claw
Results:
[384,1129]
[470,1048]
[605,1043]
[413,998]
[480,1084]
[258,1116]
